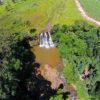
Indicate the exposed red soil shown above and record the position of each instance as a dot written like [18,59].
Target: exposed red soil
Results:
[50,74]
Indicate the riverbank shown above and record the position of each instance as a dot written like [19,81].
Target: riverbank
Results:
[51,67]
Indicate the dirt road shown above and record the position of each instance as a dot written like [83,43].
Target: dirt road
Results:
[84,14]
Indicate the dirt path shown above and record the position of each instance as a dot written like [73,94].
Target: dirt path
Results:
[84,14]
[48,26]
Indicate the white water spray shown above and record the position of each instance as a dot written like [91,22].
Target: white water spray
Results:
[46,40]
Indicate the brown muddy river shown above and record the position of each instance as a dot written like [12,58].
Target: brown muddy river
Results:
[51,57]
[48,56]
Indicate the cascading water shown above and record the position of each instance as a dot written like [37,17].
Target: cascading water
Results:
[41,41]
[46,40]
[50,40]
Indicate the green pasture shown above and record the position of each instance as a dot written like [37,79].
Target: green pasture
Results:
[92,7]
[38,13]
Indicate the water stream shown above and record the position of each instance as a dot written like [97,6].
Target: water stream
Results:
[46,40]
[47,53]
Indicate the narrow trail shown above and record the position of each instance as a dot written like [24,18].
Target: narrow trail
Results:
[84,14]
[48,26]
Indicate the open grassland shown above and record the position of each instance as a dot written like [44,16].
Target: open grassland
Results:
[92,7]
[68,13]
[38,13]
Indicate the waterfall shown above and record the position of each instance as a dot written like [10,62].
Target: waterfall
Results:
[46,40]
[41,42]
[50,40]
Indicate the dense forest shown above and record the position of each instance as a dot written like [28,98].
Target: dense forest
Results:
[18,79]
[79,46]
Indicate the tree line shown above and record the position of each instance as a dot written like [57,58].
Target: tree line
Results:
[79,45]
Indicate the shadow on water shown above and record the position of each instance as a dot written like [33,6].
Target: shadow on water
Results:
[30,85]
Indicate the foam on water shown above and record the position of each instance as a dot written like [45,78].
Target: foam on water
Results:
[46,40]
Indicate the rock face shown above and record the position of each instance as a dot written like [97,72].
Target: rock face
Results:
[51,75]
[54,77]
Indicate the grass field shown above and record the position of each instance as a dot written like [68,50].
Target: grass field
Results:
[92,7]
[38,13]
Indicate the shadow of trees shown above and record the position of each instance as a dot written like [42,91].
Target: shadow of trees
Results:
[65,95]
[30,86]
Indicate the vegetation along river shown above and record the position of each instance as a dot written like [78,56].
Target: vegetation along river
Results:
[51,67]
